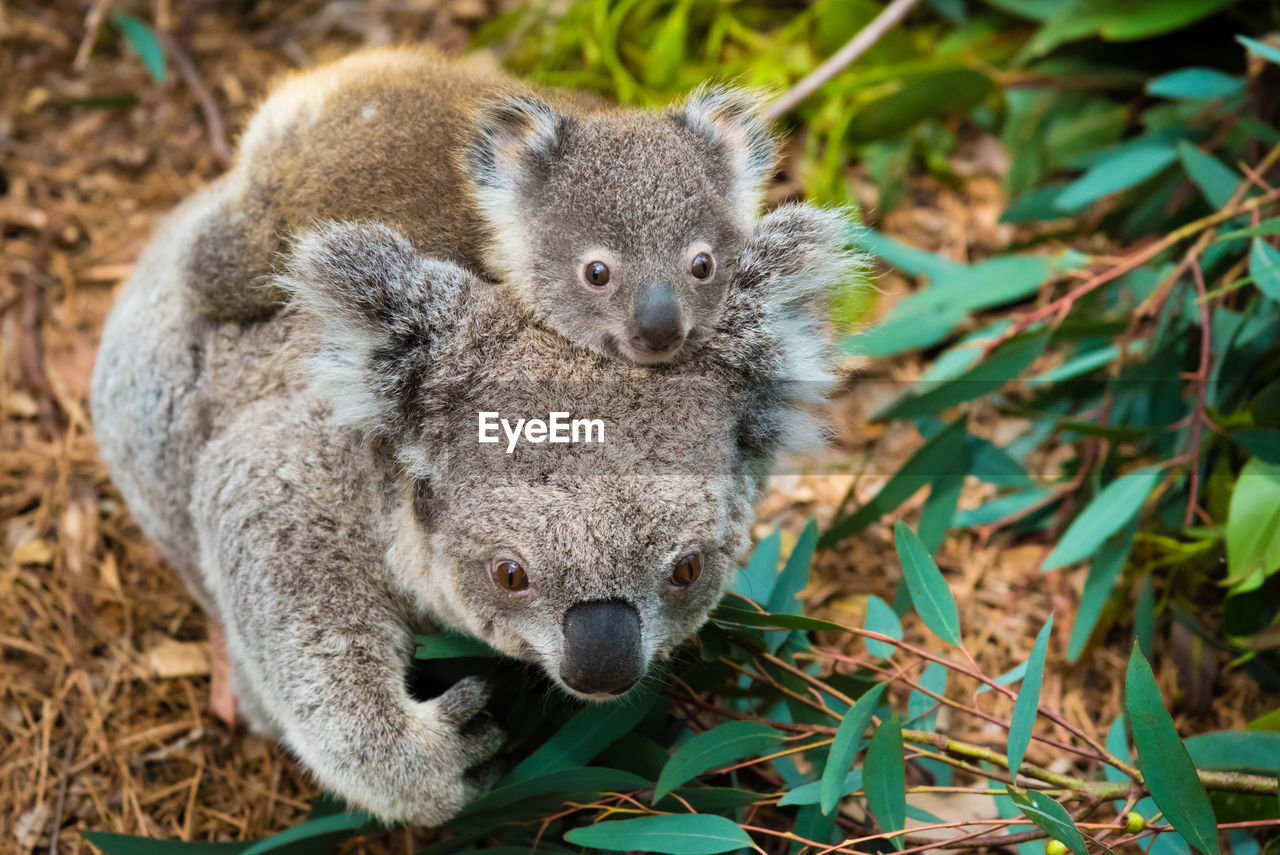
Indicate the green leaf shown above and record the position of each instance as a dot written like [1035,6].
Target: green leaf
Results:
[1255,751]
[1008,678]
[757,580]
[989,375]
[795,575]
[1050,817]
[811,793]
[882,619]
[717,747]
[1142,19]
[1119,172]
[1002,508]
[1024,708]
[884,777]
[929,590]
[1196,84]
[452,645]
[124,844]
[845,747]
[920,469]
[1216,181]
[1110,510]
[922,710]
[583,736]
[1166,768]
[901,331]
[666,53]
[1266,227]
[1264,267]
[144,44]
[1266,51]
[580,782]
[1263,443]
[672,834]
[314,834]
[1103,573]
[1253,523]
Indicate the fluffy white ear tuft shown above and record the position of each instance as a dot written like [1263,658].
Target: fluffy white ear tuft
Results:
[799,255]
[375,311]
[774,328]
[730,122]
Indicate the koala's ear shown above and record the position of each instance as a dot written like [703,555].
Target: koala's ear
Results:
[798,255]
[773,330]
[513,140]
[511,134]
[375,311]
[730,124]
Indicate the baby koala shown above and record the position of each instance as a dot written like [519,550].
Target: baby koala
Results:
[317,480]
[618,228]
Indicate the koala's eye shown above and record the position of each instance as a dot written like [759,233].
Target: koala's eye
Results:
[510,575]
[686,571]
[702,266]
[597,273]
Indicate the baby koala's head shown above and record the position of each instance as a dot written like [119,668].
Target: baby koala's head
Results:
[621,229]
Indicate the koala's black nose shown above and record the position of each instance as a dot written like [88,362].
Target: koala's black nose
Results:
[659,323]
[602,652]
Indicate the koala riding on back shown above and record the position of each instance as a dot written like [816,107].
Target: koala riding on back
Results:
[619,228]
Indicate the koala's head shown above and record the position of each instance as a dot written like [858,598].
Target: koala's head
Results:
[592,558]
[621,228]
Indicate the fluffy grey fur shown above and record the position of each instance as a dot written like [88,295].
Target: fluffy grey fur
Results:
[316,479]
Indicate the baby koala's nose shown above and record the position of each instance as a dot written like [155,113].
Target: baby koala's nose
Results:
[659,323]
[602,650]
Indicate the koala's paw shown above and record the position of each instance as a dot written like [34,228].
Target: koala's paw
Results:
[421,763]
[463,708]
[460,742]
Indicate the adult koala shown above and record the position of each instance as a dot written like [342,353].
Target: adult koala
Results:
[317,481]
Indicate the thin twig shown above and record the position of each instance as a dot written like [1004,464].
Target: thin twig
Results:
[838,61]
[208,106]
[31,350]
[1198,418]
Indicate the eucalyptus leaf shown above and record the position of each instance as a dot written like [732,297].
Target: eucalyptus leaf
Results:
[1266,51]
[929,590]
[882,619]
[884,778]
[1103,573]
[1197,84]
[144,43]
[717,747]
[1051,817]
[1110,510]
[844,748]
[1120,172]
[1025,707]
[671,834]
[1166,767]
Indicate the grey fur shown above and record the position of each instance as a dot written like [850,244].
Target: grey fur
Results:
[315,477]
[526,186]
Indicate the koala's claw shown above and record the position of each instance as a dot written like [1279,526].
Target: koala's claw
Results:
[464,700]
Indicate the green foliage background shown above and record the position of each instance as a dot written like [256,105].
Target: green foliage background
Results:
[1130,124]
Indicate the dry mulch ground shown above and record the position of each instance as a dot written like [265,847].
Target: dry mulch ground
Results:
[104,708]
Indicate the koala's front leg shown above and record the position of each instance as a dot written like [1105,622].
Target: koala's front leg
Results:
[322,644]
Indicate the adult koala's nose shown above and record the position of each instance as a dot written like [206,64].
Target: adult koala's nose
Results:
[602,651]
[659,323]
